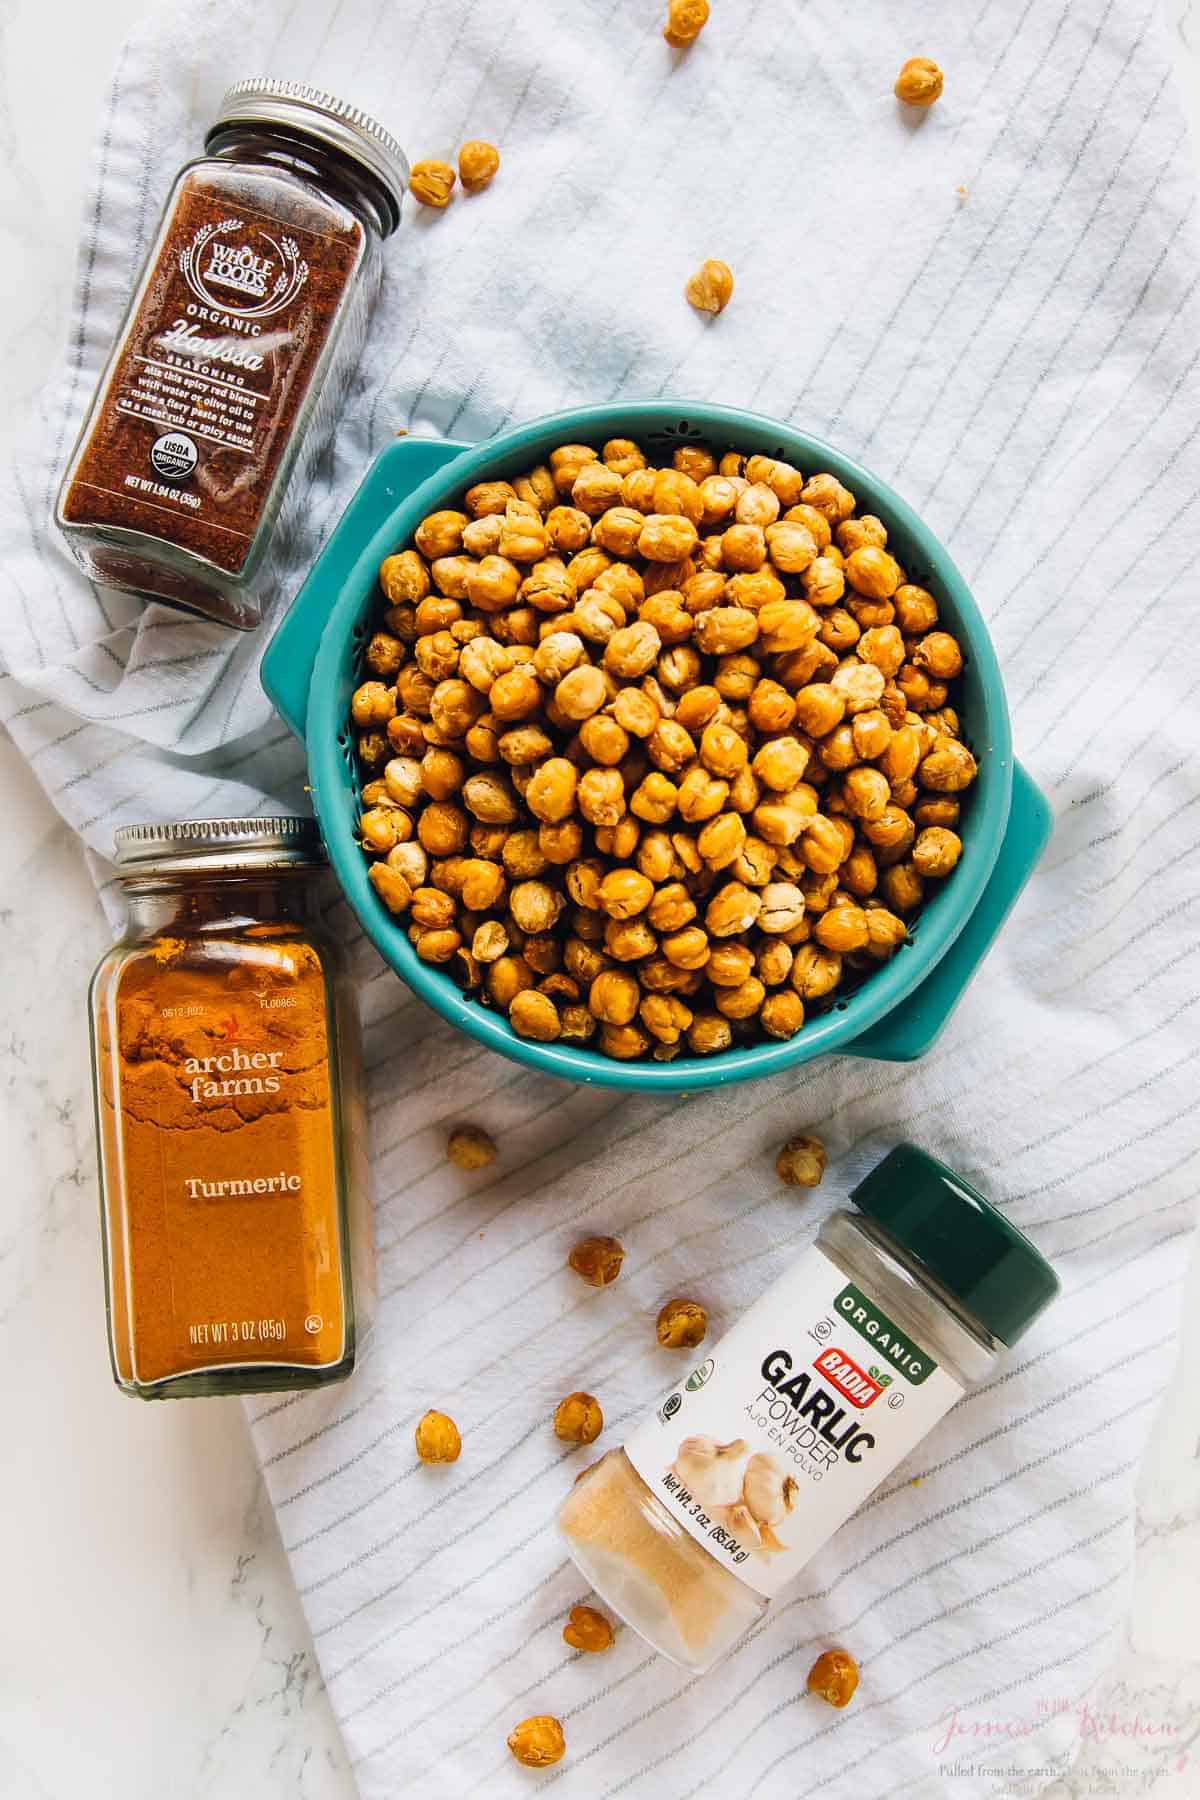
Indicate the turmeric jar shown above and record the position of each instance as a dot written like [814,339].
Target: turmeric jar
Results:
[237,1250]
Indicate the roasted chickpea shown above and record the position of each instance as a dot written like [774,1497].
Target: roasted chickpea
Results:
[842,928]
[936,851]
[883,646]
[373,704]
[859,685]
[782,907]
[725,629]
[937,811]
[865,792]
[665,1017]
[948,768]
[686,949]
[773,962]
[743,548]
[669,747]
[782,1015]
[550,795]
[721,840]
[404,578]
[916,610]
[710,289]
[566,462]
[613,997]
[816,971]
[938,655]
[666,538]
[601,796]
[885,932]
[654,799]
[624,1042]
[701,796]
[722,751]
[823,582]
[596,488]
[919,83]
[581,693]
[708,1033]
[781,763]
[535,906]
[488,798]
[440,534]
[902,887]
[534,1015]
[671,908]
[632,651]
[392,886]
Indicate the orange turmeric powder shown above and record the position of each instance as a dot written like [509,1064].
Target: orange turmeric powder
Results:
[224,1157]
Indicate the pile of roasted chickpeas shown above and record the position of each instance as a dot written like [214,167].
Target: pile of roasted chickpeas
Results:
[657,758]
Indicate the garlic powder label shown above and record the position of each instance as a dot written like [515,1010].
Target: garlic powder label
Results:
[802,1409]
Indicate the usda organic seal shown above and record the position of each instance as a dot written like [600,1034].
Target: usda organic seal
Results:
[173,455]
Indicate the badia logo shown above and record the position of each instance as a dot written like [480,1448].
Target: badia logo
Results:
[226,259]
[843,1373]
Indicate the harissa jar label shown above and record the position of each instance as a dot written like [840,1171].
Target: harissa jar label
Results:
[777,1438]
[199,404]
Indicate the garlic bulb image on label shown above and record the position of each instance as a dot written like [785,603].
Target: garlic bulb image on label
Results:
[769,1496]
[712,1471]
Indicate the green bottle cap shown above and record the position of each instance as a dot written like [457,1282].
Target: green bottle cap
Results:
[989,1266]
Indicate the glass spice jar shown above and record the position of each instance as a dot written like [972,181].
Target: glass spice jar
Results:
[228,370]
[225,1048]
[763,1450]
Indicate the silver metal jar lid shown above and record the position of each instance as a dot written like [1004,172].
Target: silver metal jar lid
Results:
[206,846]
[316,114]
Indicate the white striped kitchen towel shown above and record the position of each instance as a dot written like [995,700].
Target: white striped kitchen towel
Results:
[995,305]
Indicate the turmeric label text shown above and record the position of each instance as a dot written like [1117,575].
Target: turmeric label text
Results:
[237,1187]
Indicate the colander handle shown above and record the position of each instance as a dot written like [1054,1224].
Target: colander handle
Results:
[287,664]
[911,1028]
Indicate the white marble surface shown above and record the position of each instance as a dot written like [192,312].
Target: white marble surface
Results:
[152,1645]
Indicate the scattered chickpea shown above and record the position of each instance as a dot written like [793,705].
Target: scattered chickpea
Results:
[681,1325]
[597,1260]
[686,19]
[710,289]
[919,82]
[578,1419]
[468,1147]
[432,183]
[477,165]
[437,1439]
[587,1629]
[538,1742]
[801,1162]
[834,1676]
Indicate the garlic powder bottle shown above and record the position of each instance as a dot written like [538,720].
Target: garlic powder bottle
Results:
[798,1413]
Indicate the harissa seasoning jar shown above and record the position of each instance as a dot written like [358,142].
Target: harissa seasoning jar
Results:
[828,1381]
[228,370]
[225,1047]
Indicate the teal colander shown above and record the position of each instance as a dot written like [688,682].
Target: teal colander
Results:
[313,665]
